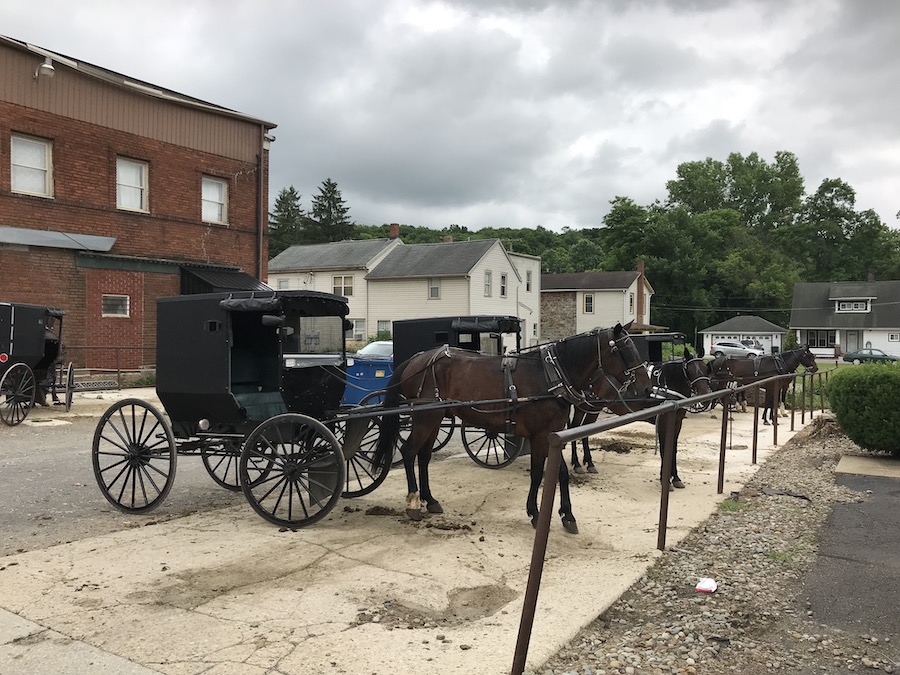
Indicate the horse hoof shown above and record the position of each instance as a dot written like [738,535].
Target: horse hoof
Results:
[577,469]
[534,520]
[414,514]
[592,469]
[435,507]
[570,526]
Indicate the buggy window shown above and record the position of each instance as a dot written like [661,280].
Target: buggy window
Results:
[312,334]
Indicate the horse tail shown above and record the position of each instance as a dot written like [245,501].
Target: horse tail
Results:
[390,423]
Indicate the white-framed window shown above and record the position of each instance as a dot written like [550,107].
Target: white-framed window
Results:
[343,285]
[528,281]
[821,338]
[284,284]
[384,327]
[853,306]
[131,184]
[214,200]
[434,288]
[502,285]
[893,337]
[631,303]
[31,166]
[488,283]
[115,305]
[588,303]
[357,332]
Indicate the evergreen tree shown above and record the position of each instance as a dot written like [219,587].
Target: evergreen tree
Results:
[329,220]
[286,222]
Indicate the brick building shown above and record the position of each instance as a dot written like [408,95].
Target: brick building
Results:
[114,192]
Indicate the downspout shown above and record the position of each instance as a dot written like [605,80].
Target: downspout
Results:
[259,202]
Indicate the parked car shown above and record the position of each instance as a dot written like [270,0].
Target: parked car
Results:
[754,344]
[380,349]
[869,356]
[730,348]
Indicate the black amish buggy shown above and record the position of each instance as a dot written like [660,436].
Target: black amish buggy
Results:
[31,360]
[260,427]
[487,334]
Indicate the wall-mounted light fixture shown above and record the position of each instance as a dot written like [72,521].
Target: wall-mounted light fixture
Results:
[46,69]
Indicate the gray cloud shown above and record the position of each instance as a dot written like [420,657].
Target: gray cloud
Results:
[516,113]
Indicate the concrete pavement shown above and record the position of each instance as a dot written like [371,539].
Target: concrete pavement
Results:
[365,590]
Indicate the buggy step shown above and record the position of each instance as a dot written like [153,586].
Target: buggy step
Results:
[96,385]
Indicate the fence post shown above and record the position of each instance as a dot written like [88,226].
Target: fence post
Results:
[541,534]
[668,449]
[821,394]
[793,399]
[721,483]
[755,422]
[803,398]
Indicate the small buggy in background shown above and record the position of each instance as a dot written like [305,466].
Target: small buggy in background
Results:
[32,360]
[480,333]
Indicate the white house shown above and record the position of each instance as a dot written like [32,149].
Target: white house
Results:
[386,280]
[577,302]
[841,317]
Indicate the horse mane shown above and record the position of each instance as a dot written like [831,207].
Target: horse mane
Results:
[573,352]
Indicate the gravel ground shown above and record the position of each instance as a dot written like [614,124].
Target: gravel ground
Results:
[758,547]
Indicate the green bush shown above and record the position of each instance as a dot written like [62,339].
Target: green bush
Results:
[865,399]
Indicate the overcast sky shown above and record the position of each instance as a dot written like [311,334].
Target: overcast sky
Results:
[515,113]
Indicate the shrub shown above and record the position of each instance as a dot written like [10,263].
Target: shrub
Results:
[865,399]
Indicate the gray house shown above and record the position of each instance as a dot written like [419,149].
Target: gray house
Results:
[841,317]
[743,327]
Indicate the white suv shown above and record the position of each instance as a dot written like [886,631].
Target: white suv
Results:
[729,348]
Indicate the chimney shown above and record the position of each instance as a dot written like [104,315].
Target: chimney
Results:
[394,231]
[871,276]
[448,238]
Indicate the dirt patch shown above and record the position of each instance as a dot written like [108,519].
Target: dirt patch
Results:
[464,604]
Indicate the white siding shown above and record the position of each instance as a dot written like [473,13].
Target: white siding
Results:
[528,303]
[396,299]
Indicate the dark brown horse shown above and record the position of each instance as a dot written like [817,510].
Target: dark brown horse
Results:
[740,370]
[528,394]
[671,380]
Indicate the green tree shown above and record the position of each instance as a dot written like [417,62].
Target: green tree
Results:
[286,221]
[329,221]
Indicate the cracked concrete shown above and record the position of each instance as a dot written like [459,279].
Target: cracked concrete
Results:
[222,591]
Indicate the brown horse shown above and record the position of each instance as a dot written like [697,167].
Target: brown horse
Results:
[528,394]
[740,370]
[671,380]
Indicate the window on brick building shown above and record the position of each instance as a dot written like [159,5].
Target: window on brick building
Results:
[131,184]
[115,305]
[31,166]
[214,200]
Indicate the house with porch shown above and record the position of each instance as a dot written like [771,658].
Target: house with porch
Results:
[839,317]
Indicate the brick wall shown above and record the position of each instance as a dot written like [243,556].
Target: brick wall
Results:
[84,202]
[558,315]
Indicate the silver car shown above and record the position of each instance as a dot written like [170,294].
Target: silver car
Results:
[733,348]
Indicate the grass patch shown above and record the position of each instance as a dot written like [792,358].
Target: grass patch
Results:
[731,505]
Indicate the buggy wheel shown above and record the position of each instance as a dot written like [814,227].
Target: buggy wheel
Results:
[445,433]
[364,473]
[700,407]
[69,383]
[222,461]
[489,448]
[134,456]
[17,391]
[402,437]
[304,474]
